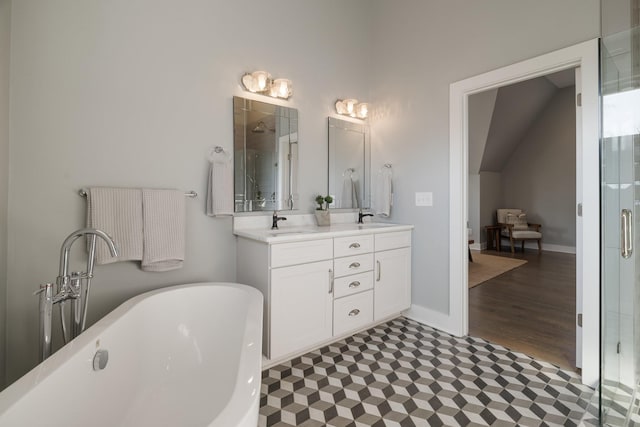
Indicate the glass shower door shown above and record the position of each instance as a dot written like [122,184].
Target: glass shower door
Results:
[620,176]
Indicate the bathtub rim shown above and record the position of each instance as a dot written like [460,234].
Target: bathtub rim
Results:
[19,390]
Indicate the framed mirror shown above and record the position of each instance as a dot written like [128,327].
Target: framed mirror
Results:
[265,146]
[349,164]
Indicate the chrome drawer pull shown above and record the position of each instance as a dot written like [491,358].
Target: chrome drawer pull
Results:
[354,284]
[379,270]
[354,265]
[354,245]
[354,312]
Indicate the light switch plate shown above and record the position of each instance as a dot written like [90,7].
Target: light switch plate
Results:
[424,199]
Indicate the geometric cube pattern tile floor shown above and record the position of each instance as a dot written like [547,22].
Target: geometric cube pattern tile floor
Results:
[402,373]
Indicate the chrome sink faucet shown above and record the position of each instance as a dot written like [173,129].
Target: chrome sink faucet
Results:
[276,218]
[362,215]
[74,286]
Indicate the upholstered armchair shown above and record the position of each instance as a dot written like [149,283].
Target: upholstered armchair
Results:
[516,228]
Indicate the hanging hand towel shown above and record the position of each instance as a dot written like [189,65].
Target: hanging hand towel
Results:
[117,212]
[220,185]
[346,201]
[355,200]
[163,214]
[384,192]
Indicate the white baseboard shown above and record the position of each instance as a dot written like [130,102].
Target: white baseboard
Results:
[435,319]
[551,247]
[478,246]
[545,247]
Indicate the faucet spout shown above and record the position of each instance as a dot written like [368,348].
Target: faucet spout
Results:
[63,271]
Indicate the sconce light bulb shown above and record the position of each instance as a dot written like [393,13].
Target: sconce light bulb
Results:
[351,105]
[282,88]
[362,110]
[262,80]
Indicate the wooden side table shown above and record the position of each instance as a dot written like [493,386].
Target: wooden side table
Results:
[493,236]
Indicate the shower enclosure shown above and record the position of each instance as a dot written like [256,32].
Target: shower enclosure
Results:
[620,200]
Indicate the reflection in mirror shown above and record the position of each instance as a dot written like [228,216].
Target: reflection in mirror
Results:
[265,145]
[349,164]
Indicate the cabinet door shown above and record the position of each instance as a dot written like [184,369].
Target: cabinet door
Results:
[392,282]
[301,307]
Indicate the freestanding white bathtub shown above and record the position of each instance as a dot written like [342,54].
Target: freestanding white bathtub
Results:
[187,355]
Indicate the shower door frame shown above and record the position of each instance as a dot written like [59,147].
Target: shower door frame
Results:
[586,57]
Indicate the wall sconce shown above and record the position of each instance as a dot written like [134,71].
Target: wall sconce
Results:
[261,82]
[353,108]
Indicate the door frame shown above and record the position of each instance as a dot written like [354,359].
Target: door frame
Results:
[586,56]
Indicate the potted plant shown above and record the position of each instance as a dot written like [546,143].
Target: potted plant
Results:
[322,213]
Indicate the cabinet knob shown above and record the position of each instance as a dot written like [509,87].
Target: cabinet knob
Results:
[354,312]
[354,284]
[354,245]
[354,265]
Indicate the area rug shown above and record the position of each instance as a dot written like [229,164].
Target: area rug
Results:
[486,267]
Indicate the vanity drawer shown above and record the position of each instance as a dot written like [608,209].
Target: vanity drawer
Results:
[353,265]
[394,240]
[293,253]
[353,245]
[352,312]
[348,285]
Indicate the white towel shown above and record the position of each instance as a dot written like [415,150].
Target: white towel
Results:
[355,201]
[383,192]
[220,185]
[117,212]
[163,214]
[346,201]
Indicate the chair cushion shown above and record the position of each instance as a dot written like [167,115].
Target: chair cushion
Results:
[526,234]
[519,221]
[501,214]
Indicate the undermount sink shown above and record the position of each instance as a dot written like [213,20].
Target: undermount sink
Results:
[374,225]
[286,232]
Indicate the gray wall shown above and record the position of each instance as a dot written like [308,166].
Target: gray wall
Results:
[122,93]
[5,37]
[134,94]
[540,176]
[419,48]
[490,199]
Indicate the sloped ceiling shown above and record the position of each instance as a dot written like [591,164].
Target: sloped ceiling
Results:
[516,108]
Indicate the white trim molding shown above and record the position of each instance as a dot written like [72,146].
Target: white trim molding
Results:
[427,316]
[583,55]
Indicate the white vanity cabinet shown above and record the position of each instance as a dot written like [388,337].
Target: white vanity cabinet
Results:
[301,306]
[393,274]
[322,286]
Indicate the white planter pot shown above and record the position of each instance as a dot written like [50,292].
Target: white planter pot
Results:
[323,218]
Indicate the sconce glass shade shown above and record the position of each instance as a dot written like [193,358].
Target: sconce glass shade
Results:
[281,88]
[340,107]
[257,82]
[362,110]
[351,107]
[261,82]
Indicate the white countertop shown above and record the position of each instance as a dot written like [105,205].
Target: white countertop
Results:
[301,232]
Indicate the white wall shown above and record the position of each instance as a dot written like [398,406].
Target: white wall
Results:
[420,48]
[5,38]
[122,93]
[540,176]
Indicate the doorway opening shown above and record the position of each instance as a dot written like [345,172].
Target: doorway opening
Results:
[585,57]
[522,167]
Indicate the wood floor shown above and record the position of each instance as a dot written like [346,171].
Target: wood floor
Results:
[531,309]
